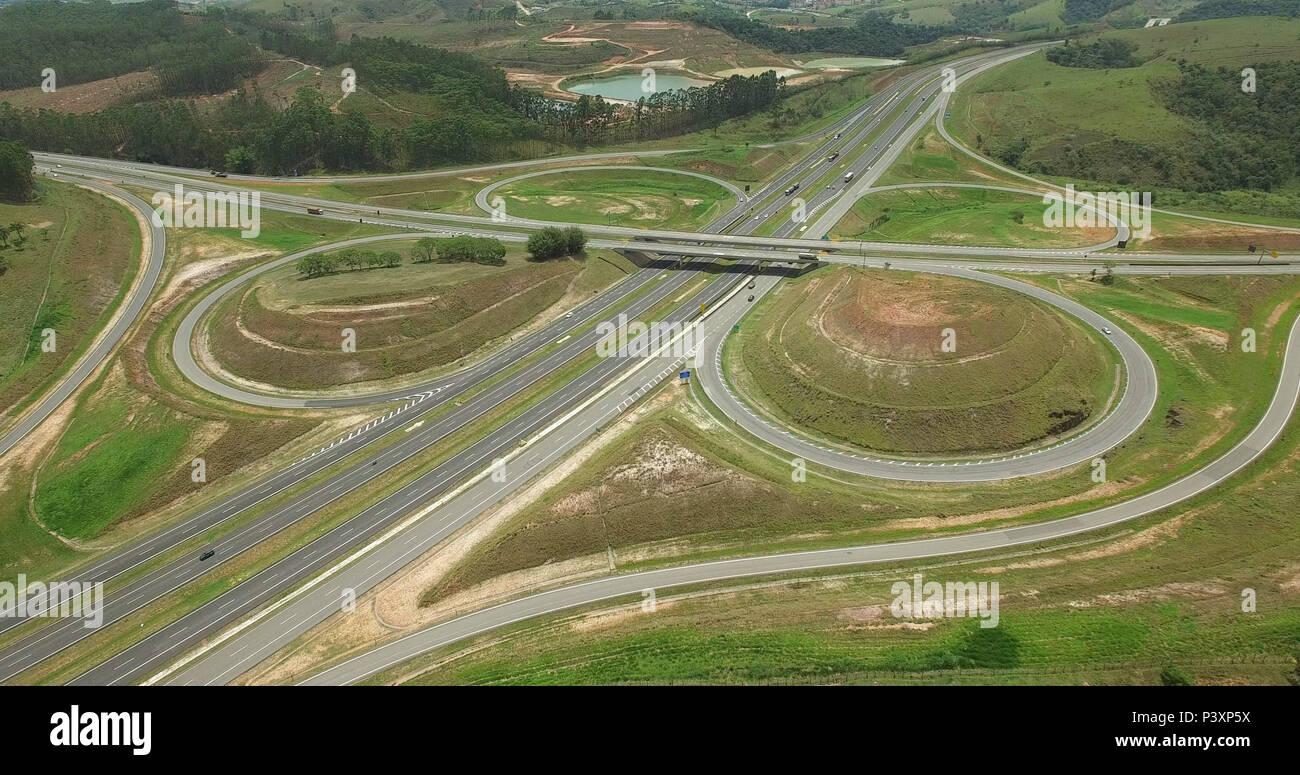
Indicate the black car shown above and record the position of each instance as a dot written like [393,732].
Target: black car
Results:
[207,554]
[751,297]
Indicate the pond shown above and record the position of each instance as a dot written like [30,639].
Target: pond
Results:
[628,86]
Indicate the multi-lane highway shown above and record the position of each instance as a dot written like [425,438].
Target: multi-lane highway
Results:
[261,638]
[307,585]
[614,587]
[284,575]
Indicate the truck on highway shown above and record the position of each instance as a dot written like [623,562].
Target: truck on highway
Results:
[314,211]
[808,256]
[792,189]
[833,156]
[848,177]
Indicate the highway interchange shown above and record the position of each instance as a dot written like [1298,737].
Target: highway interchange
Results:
[269,609]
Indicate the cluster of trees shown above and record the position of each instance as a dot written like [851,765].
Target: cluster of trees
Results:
[984,16]
[872,35]
[1080,11]
[1244,141]
[428,250]
[88,41]
[454,250]
[1239,141]
[553,242]
[1101,55]
[1220,9]
[17,183]
[593,120]
[319,264]
[475,115]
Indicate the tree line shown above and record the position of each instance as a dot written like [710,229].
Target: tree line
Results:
[1222,9]
[17,183]
[872,35]
[1100,55]
[427,250]
[1239,141]
[85,42]
[1243,140]
[593,120]
[462,249]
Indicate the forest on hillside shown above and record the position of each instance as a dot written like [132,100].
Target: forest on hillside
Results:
[476,115]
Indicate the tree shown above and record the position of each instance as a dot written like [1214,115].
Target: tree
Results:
[17,183]
[424,250]
[241,159]
[489,251]
[350,258]
[546,244]
[575,240]
[4,264]
[316,265]
[390,258]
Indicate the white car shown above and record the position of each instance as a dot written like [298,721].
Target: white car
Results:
[1105,330]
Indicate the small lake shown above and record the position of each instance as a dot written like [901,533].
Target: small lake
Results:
[628,87]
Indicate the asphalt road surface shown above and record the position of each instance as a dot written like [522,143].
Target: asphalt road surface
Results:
[108,340]
[1132,410]
[172,640]
[544,430]
[612,588]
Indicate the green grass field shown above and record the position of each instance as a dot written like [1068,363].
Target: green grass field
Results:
[1068,116]
[69,271]
[284,330]
[858,357]
[957,216]
[645,198]
[930,158]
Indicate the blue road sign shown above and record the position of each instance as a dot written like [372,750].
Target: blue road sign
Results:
[685,375]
